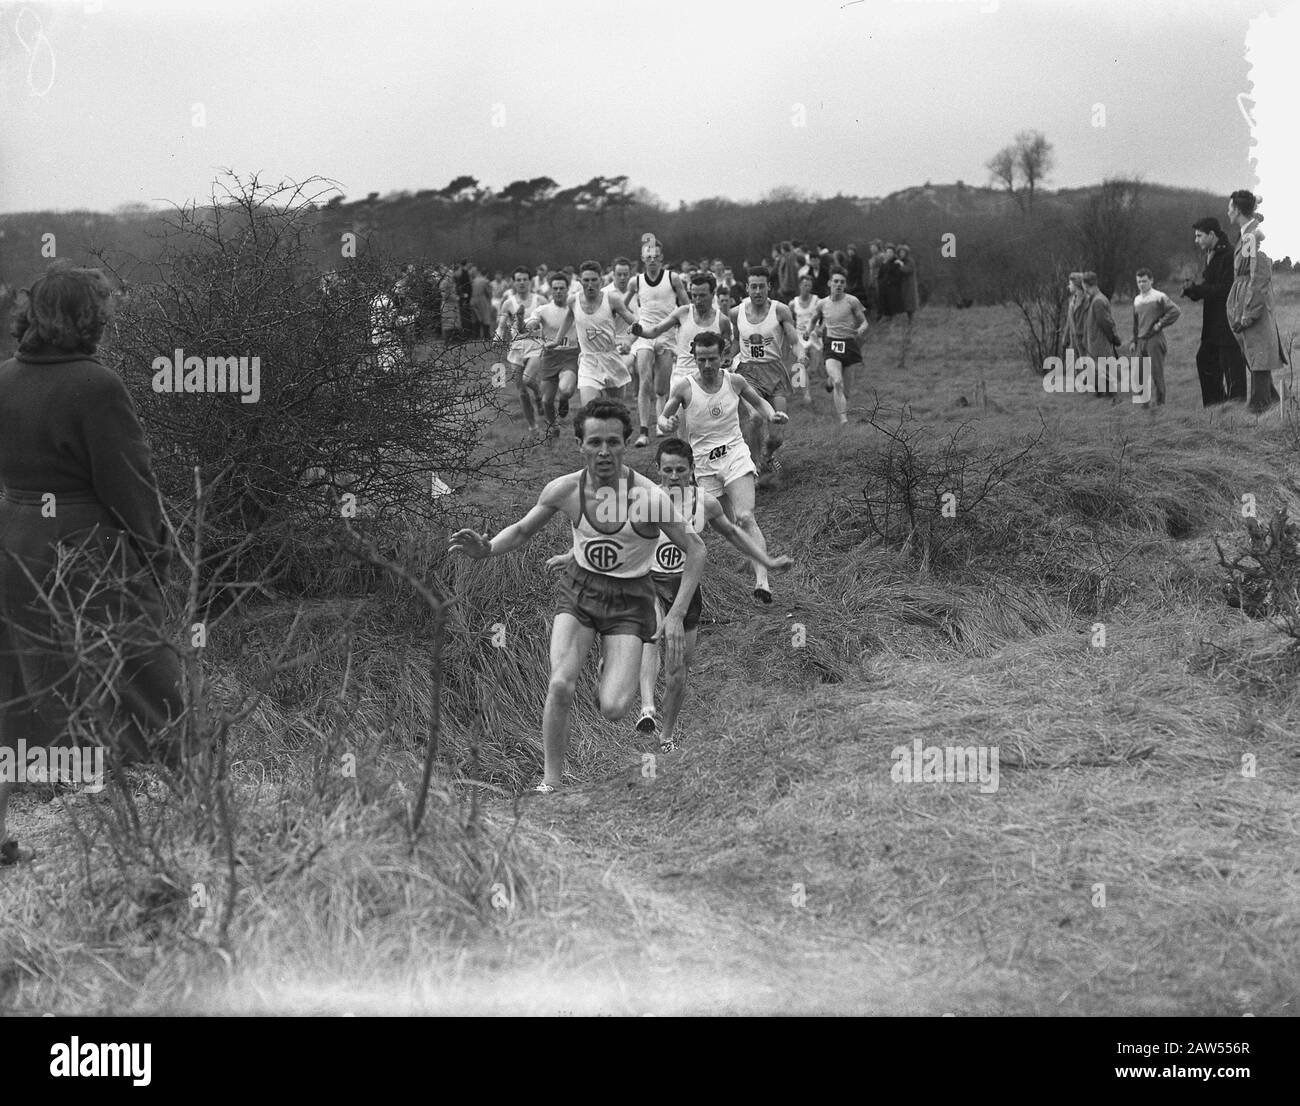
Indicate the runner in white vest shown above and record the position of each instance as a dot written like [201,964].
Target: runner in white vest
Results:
[724,466]
[657,293]
[601,368]
[607,590]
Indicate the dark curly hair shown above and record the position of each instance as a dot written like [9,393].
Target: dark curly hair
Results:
[66,309]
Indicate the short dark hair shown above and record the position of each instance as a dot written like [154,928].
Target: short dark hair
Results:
[1246,201]
[1143,272]
[621,261]
[591,266]
[65,309]
[522,269]
[806,276]
[839,270]
[559,274]
[758,271]
[602,409]
[706,338]
[1209,225]
[677,448]
[1089,277]
[703,276]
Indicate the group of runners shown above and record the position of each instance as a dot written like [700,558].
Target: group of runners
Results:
[631,577]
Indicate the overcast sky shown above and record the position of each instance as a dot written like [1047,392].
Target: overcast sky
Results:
[104,102]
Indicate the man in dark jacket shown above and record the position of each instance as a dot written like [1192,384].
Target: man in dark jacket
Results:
[1219,360]
[856,274]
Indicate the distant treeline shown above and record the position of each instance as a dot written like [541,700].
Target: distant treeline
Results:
[971,245]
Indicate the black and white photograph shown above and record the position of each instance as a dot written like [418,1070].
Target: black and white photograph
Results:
[675,510]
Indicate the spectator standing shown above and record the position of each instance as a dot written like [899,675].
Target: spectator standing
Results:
[1220,363]
[69,430]
[1250,303]
[1153,313]
[1100,338]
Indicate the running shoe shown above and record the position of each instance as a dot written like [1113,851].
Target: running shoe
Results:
[668,746]
[545,788]
[774,464]
[647,723]
[763,595]
[641,441]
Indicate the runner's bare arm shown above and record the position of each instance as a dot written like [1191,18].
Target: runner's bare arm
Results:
[480,546]
[674,319]
[619,306]
[790,331]
[750,396]
[679,288]
[717,518]
[859,315]
[679,398]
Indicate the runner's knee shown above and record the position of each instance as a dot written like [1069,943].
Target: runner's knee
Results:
[561,689]
[616,705]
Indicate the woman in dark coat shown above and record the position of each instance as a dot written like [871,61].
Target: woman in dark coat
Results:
[77,491]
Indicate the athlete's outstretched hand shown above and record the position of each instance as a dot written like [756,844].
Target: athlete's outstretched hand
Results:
[560,560]
[667,425]
[471,543]
[779,416]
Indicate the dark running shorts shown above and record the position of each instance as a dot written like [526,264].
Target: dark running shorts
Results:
[769,378]
[843,350]
[609,604]
[668,584]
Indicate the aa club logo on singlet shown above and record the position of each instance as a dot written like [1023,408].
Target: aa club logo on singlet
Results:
[603,554]
[670,558]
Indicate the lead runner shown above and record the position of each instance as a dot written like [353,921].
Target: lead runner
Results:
[607,590]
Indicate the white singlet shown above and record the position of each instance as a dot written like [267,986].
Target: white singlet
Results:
[655,302]
[760,341]
[598,358]
[669,558]
[714,425]
[628,551]
[687,329]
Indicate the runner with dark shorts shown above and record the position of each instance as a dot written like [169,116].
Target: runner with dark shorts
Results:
[616,516]
[844,323]
[555,373]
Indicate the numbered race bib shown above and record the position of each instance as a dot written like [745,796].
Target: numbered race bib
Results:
[757,350]
[837,345]
[716,452]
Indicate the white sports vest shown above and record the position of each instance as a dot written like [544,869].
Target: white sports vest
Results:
[655,302]
[669,559]
[760,341]
[687,329]
[712,420]
[628,550]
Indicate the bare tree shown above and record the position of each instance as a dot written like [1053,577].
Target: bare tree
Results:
[1002,170]
[1034,159]
[1111,231]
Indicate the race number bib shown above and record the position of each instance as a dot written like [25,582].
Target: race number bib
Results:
[757,348]
[716,452]
[838,345]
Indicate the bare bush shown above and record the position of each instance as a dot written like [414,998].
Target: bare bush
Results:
[347,419]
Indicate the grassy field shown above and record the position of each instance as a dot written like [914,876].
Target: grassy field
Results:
[1125,864]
